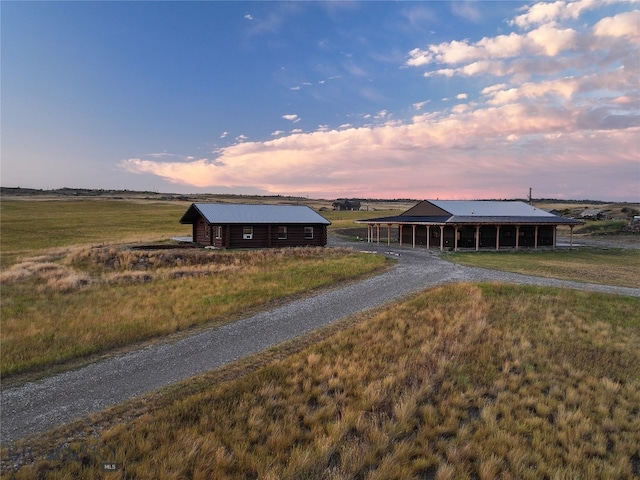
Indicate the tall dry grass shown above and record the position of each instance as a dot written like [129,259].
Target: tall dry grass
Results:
[464,381]
[81,301]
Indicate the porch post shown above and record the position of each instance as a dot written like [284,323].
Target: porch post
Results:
[388,234]
[400,234]
[555,228]
[413,227]
[455,238]
[441,237]
[517,237]
[535,238]
[428,235]
[571,237]
[497,237]
[378,231]
[477,237]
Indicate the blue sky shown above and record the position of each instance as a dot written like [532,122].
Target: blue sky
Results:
[455,100]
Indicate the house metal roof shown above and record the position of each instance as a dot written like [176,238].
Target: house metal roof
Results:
[228,213]
[489,208]
[477,212]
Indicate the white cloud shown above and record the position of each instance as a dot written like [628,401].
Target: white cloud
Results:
[546,12]
[461,96]
[248,16]
[545,40]
[622,25]
[292,118]
[277,133]
[224,134]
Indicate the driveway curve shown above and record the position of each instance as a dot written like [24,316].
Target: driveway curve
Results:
[38,406]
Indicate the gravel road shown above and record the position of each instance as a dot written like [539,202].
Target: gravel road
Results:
[37,406]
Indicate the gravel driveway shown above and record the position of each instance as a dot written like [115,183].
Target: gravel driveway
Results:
[37,406]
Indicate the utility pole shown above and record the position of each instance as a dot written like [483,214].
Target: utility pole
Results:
[529,195]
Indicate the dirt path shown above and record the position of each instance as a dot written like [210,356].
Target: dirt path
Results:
[37,406]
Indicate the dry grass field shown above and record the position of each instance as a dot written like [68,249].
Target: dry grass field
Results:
[611,266]
[82,301]
[463,381]
[75,287]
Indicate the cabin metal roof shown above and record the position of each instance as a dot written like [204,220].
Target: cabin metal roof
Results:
[229,213]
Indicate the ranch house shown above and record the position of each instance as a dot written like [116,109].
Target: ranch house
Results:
[223,225]
[487,224]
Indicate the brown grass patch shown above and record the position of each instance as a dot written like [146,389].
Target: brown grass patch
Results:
[83,301]
[462,381]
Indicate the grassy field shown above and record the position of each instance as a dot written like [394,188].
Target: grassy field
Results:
[594,265]
[28,226]
[74,287]
[85,301]
[464,381]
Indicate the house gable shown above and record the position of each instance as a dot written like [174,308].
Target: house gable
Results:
[426,209]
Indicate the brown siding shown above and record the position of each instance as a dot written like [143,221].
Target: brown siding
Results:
[202,232]
[265,236]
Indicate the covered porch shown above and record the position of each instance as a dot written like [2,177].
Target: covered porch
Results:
[456,236]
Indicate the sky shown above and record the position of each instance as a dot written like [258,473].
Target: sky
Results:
[371,99]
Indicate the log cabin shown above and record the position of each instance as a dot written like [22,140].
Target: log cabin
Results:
[222,225]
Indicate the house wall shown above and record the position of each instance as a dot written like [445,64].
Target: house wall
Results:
[263,236]
[202,232]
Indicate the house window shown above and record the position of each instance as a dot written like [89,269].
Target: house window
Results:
[282,233]
[308,232]
[247,233]
[218,230]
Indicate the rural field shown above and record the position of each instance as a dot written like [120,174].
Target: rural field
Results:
[77,288]
[462,381]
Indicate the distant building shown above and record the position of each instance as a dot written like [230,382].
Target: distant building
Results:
[455,224]
[593,214]
[224,225]
[346,204]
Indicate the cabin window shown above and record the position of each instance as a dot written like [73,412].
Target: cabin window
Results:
[247,233]
[282,233]
[308,232]
[218,230]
